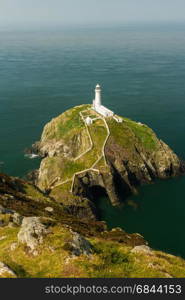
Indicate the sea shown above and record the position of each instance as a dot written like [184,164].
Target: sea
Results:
[141,68]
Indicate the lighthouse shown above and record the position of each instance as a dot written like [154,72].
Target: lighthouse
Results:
[97,101]
[97,105]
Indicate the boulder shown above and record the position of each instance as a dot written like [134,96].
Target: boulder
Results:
[79,245]
[32,232]
[13,246]
[142,249]
[6,271]
[17,219]
[49,209]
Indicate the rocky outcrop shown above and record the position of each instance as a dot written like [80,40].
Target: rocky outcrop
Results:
[32,232]
[90,181]
[78,245]
[133,155]
[140,165]
[142,249]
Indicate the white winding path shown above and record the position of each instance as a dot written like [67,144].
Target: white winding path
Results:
[91,142]
[92,168]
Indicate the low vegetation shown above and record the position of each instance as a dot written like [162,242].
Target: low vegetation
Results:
[109,259]
[128,131]
[59,127]
[145,135]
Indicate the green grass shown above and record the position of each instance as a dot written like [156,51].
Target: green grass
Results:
[75,121]
[59,127]
[144,134]
[129,133]
[98,134]
[121,133]
[109,259]
[70,168]
[48,263]
[102,166]
[5,218]
[33,192]
[60,167]
[115,260]
[61,193]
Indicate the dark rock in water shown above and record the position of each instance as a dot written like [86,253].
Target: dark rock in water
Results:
[132,203]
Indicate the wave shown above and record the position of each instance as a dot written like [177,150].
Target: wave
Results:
[31,155]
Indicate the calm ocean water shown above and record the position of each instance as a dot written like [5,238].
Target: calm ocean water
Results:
[142,71]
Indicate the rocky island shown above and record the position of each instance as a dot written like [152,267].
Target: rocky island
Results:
[106,155]
[49,227]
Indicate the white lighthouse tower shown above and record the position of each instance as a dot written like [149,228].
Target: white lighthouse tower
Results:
[97,105]
[97,101]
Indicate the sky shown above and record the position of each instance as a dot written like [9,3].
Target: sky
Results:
[72,12]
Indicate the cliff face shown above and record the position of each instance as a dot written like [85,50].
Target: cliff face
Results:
[114,156]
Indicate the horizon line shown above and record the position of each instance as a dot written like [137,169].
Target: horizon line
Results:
[59,26]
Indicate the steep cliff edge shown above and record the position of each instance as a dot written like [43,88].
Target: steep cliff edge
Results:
[114,154]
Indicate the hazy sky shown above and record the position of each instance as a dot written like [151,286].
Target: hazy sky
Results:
[52,12]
